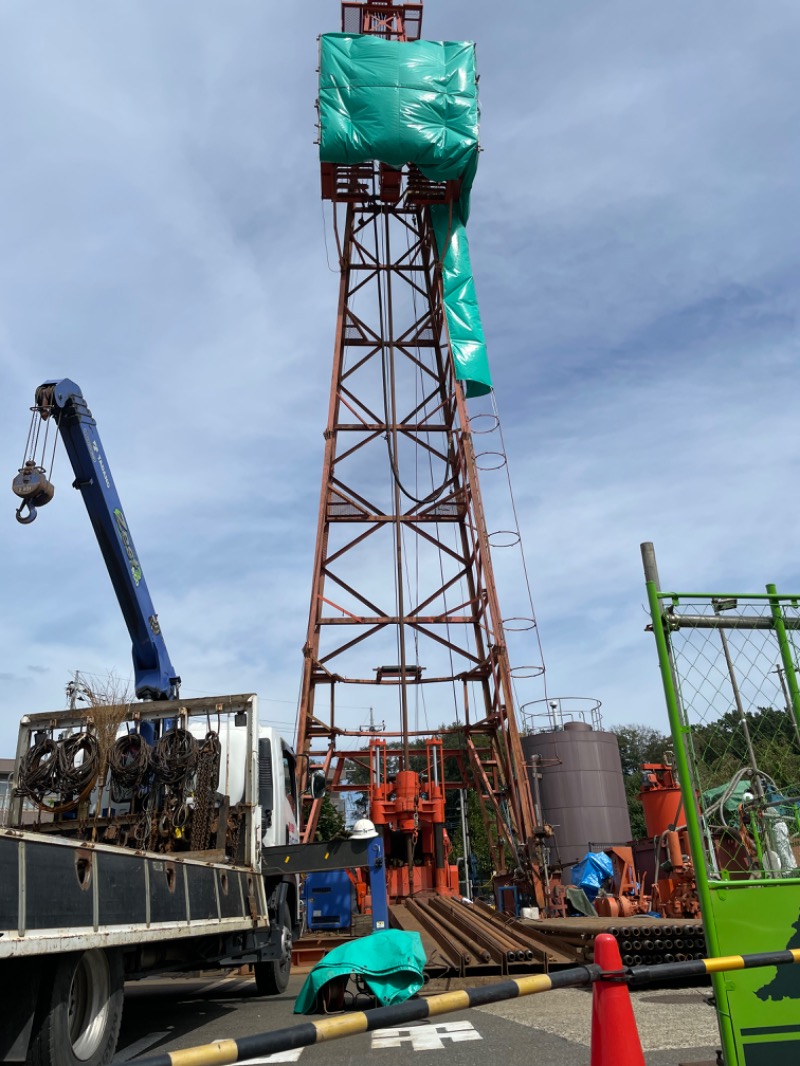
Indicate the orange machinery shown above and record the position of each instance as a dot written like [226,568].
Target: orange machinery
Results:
[407,806]
[674,889]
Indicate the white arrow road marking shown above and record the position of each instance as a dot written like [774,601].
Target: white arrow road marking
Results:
[425,1037]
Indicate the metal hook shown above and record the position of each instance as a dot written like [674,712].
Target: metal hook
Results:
[33,488]
[26,519]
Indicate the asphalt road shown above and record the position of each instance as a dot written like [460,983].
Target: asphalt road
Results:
[676,1026]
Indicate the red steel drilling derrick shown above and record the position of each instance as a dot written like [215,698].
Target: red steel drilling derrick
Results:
[404,617]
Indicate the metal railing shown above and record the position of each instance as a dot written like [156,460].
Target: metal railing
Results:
[552,714]
[223,1052]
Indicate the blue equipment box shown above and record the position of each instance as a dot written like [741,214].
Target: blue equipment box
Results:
[328,900]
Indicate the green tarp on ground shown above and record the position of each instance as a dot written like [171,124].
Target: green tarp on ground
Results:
[391,963]
[414,102]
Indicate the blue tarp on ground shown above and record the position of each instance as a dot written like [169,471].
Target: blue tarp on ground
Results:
[590,873]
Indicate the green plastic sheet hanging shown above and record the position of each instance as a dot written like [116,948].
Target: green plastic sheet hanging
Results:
[414,102]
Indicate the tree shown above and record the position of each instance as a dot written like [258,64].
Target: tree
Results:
[638,744]
[331,822]
[720,750]
[720,747]
[479,844]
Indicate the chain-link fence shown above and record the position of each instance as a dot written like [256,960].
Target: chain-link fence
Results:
[741,733]
[729,667]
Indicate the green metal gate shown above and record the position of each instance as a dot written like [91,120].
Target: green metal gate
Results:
[729,668]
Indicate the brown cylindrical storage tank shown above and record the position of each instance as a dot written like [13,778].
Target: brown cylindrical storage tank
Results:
[582,787]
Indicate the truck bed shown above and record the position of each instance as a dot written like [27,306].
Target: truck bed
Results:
[60,895]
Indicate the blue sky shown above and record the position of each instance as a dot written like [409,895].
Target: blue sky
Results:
[634,241]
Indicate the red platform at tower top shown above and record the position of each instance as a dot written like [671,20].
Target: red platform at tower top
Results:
[396,22]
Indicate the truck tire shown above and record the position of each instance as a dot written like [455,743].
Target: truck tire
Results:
[272,977]
[80,1010]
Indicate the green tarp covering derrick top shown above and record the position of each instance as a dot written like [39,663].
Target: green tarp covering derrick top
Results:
[414,102]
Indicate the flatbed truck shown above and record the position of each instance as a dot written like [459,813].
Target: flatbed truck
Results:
[107,885]
[166,832]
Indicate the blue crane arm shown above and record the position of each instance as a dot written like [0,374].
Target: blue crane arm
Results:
[154,674]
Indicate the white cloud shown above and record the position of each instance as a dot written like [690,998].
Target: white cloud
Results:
[163,245]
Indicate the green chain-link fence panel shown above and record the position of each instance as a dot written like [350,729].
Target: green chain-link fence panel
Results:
[729,667]
[743,742]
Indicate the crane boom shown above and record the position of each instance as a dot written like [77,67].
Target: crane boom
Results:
[154,674]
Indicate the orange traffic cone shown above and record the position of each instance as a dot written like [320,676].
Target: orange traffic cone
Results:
[615,1038]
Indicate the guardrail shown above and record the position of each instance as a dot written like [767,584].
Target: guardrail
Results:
[614,1036]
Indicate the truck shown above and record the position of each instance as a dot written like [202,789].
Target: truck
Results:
[143,859]
[157,826]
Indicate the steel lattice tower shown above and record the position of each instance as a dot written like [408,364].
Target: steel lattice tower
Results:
[404,613]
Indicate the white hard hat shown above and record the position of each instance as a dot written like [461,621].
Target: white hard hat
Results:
[363,830]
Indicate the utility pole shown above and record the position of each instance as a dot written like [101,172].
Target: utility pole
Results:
[77,691]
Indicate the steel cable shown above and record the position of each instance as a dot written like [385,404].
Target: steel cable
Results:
[174,756]
[59,768]
[37,769]
[77,763]
[381,253]
[129,761]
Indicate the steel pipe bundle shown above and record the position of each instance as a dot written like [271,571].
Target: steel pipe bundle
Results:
[475,938]
[650,941]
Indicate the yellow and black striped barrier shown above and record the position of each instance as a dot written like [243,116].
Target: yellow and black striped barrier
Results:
[223,1052]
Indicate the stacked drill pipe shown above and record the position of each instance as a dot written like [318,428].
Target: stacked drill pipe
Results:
[546,949]
[452,945]
[502,948]
[449,923]
[442,959]
[474,939]
[642,941]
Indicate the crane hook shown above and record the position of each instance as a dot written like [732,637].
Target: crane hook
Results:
[32,485]
[21,516]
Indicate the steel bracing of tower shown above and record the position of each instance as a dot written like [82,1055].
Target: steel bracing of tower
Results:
[404,618]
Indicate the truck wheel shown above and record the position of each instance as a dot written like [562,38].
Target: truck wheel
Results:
[80,1011]
[272,977]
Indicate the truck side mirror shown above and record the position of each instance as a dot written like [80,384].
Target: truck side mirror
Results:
[317,785]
